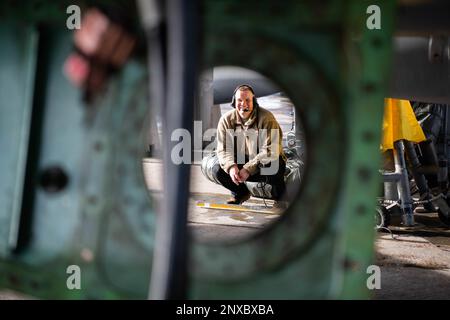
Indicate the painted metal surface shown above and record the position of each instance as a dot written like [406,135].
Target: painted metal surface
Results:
[102,220]
[18,65]
[334,70]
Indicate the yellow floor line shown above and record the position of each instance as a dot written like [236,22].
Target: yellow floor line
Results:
[233,207]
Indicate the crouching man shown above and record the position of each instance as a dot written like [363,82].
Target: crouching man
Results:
[249,148]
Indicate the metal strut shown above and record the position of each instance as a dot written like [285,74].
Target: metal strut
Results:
[169,275]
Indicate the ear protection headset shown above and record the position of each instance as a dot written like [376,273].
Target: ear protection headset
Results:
[247,87]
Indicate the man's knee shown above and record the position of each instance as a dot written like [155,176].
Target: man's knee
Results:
[216,170]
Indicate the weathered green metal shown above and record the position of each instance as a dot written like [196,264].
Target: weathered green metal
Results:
[18,63]
[103,220]
[368,85]
[334,70]
[50,12]
[320,53]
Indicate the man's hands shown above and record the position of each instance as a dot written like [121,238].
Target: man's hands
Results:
[234,174]
[244,174]
[238,176]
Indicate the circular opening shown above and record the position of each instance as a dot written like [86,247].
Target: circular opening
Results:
[267,176]
[222,211]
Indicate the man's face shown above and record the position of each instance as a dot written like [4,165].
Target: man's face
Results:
[244,103]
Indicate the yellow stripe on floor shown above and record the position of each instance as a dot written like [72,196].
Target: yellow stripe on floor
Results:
[233,207]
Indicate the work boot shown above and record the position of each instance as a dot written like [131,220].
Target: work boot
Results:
[238,199]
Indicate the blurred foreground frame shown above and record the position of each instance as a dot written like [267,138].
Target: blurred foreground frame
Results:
[72,192]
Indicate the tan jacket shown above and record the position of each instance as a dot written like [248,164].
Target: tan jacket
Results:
[254,143]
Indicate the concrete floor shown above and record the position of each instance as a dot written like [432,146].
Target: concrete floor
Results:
[208,225]
[412,283]
[415,262]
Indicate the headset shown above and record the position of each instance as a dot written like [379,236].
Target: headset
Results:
[233,100]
